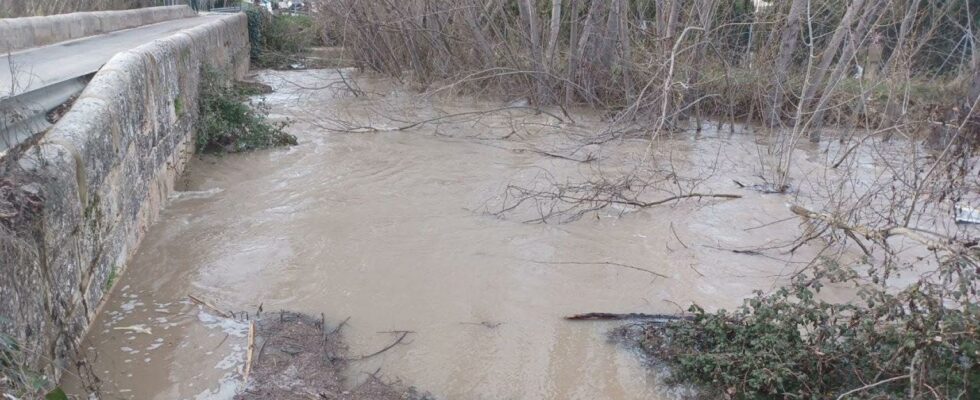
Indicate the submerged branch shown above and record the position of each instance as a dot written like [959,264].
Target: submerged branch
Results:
[601,263]
[386,348]
[600,316]
[371,129]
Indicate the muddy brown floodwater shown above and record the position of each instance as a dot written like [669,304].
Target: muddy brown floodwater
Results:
[395,229]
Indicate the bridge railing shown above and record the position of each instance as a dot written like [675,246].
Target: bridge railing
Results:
[223,6]
[226,6]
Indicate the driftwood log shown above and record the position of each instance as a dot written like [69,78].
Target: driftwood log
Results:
[626,317]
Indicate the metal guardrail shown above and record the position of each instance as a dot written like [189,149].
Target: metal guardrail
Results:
[235,9]
[26,114]
[218,6]
[233,6]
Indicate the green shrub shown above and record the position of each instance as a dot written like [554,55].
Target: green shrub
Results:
[920,342]
[256,21]
[228,124]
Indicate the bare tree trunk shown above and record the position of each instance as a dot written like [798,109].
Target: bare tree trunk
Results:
[827,58]
[706,17]
[610,41]
[555,30]
[588,29]
[483,46]
[970,118]
[749,48]
[903,33]
[572,53]
[667,14]
[973,92]
[900,54]
[530,16]
[661,17]
[857,36]
[627,48]
[787,46]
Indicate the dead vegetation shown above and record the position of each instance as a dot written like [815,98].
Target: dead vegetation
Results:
[867,68]
[887,93]
[298,356]
[568,202]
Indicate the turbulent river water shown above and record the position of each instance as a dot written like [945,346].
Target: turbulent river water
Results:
[401,230]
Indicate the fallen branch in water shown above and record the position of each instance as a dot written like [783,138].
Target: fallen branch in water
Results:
[589,158]
[371,129]
[684,196]
[641,204]
[568,202]
[340,326]
[209,306]
[676,236]
[931,240]
[600,263]
[389,347]
[134,328]
[625,317]
[485,324]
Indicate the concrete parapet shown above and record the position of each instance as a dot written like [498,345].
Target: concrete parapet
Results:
[28,32]
[102,174]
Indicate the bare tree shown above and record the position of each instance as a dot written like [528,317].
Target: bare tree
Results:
[829,55]
[789,37]
[554,31]
[529,14]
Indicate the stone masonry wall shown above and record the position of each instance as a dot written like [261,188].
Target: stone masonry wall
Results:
[101,175]
[24,33]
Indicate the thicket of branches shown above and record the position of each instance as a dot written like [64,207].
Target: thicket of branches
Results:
[793,63]
[896,84]
[869,68]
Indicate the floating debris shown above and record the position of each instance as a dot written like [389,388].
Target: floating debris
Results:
[967,215]
[296,354]
[766,188]
[134,328]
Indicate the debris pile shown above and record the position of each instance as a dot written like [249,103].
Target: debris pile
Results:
[295,356]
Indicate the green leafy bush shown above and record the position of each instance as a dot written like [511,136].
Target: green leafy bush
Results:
[228,124]
[922,341]
[256,22]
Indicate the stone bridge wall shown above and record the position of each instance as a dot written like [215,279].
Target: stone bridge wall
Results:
[98,179]
[24,33]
